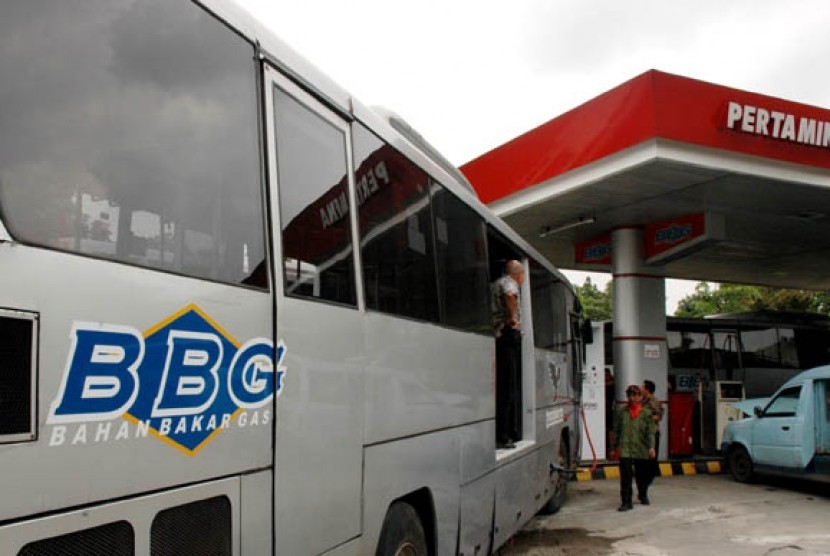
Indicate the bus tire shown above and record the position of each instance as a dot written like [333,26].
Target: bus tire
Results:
[402,533]
[740,464]
[560,489]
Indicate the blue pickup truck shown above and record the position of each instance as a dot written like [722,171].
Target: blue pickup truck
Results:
[787,434]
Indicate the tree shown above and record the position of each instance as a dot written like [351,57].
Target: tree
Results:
[738,298]
[597,304]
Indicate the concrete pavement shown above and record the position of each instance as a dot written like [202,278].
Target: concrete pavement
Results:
[690,515]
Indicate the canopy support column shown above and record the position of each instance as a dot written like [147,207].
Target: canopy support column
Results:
[640,350]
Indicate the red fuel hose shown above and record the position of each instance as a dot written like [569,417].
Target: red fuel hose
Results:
[590,442]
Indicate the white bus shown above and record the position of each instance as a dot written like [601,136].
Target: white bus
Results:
[244,314]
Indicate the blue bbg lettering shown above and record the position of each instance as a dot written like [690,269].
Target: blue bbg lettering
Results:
[184,378]
[100,381]
[251,376]
[189,381]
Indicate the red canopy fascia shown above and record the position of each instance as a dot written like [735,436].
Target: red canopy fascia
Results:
[652,105]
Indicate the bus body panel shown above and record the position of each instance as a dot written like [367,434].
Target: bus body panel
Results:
[319,429]
[426,464]
[140,513]
[477,512]
[411,388]
[256,518]
[515,490]
[545,478]
[552,380]
[556,425]
[555,409]
[348,548]
[70,292]
[477,455]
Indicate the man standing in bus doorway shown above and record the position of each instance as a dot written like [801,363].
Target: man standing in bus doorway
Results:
[507,320]
[634,436]
[657,414]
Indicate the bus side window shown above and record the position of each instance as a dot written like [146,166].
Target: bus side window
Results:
[318,257]
[461,251]
[396,236]
[163,169]
[550,320]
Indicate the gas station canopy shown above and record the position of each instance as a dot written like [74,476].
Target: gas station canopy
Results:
[726,185]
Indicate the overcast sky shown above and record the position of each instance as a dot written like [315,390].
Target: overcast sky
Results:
[470,75]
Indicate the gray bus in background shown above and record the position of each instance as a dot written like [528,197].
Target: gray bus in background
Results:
[242,313]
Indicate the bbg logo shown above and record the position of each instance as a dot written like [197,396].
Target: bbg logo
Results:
[183,380]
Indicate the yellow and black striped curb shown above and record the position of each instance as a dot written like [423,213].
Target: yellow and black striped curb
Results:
[667,469]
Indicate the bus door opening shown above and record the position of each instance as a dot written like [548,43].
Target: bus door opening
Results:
[506,289]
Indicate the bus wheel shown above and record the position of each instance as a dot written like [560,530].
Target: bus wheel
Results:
[740,464]
[402,533]
[560,489]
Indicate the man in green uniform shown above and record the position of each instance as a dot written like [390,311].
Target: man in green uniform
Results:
[634,436]
[656,408]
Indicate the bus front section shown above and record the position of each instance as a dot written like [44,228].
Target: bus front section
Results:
[137,347]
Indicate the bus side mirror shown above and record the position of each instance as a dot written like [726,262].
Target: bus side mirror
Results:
[587,332]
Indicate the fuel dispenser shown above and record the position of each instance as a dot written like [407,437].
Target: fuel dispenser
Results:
[681,423]
[684,413]
[593,398]
[726,393]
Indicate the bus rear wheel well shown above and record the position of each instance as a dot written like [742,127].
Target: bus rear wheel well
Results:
[560,465]
[421,501]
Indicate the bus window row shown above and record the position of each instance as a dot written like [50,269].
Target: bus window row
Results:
[164,171]
[760,349]
[755,345]
[424,253]
[141,147]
